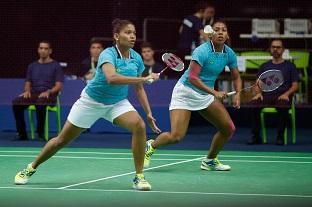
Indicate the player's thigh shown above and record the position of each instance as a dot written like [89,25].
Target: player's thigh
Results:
[69,132]
[129,120]
[217,115]
[85,113]
[179,119]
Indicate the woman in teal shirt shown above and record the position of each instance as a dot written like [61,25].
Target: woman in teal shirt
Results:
[106,97]
[195,92]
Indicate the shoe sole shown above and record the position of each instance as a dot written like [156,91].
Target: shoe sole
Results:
[209,169]
[20,183]
[141,189]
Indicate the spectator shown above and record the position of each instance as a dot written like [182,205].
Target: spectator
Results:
[44,81]
[280,99]
[209,18]
[150,64]
[89,64]
[191,29]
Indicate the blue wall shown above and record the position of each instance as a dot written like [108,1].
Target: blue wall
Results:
[159,95]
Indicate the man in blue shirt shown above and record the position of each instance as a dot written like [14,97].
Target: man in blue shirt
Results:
[150,64]
[191,29]
[44,81]
[89,64]
[280,98]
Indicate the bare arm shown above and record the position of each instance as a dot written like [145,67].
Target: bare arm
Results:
[115,78]
[27,87]
[285,96]
[237,82]
[294,87]
[194,79]
[27,90]
[57,88]
[180,29]
[141,94]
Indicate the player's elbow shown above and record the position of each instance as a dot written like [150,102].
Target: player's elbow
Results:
[193,80]
[296,86]
[111,79]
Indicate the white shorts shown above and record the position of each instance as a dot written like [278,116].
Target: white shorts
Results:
[86,111]
[184,97]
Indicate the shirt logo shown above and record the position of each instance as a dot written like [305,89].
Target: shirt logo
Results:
[188,23]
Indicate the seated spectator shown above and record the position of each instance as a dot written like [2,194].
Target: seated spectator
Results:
[280,99]
[89,64]
[150,64]
[44,81]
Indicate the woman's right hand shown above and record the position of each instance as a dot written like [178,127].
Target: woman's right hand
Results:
[26,94]
[152,77]
[220,95]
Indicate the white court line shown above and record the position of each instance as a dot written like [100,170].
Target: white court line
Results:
[163,154]
[129,173]
[161,159]
[168,192]
[93,158]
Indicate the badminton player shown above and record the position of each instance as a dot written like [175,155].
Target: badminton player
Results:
[195,92]
[106,97]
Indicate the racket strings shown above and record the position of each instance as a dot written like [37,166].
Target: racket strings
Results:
[270,81]
[173,62]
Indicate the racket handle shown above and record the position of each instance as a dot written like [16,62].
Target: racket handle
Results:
[150,81]
[231,93]
[163,70]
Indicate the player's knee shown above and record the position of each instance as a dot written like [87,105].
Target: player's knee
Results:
[230,129]
[139,125]
[176,137]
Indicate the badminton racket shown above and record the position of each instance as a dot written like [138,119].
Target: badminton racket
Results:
[269,80]
[172,61]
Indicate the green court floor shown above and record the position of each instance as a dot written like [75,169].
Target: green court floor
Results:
[103,177]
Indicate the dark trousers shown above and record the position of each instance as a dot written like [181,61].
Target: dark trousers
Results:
[282,108]
[20,103]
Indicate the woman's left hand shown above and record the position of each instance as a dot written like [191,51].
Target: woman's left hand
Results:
[152,123]
[236,101]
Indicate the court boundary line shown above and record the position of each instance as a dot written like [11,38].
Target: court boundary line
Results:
[166,154]
[95,158]
[162,159]
[129,173]
[165,192]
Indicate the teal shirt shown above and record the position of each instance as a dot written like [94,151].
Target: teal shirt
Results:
[212,64]
[103,92]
